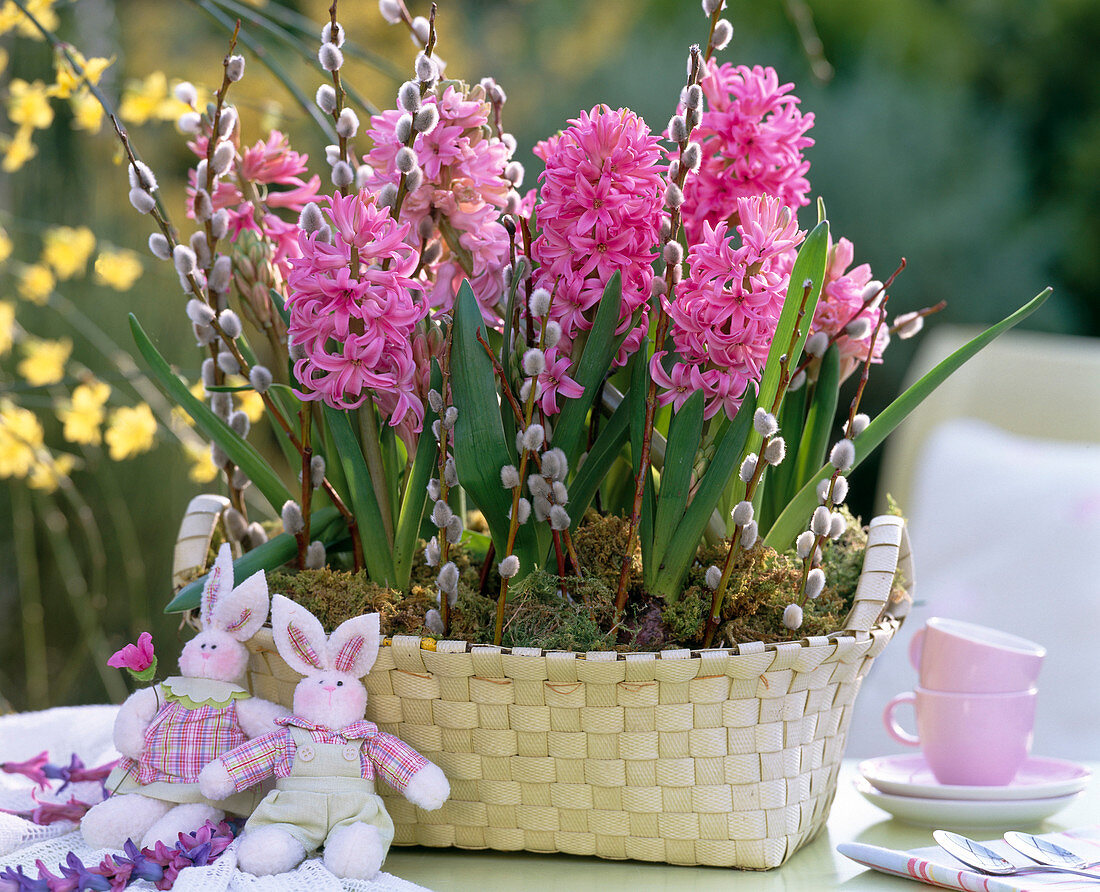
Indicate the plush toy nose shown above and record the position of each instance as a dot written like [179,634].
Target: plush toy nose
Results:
[206,656]
[330,688]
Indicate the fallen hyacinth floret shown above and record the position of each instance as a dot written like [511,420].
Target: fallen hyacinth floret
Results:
[160,865]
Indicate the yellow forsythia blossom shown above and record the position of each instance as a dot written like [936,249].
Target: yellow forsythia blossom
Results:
[35,283]
[20,437]
[11,16]
[118,268]
[44,361]
[131,431]
[150,99]
[18,150]
[83,413]
[5,245]
[203,469]
[180,415]
[87,112]
[67,249]
[70,79]
[248,401]
[29,104]
[49,470]
[7,325]
[252,405]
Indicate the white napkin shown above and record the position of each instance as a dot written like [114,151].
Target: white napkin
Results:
[936,868]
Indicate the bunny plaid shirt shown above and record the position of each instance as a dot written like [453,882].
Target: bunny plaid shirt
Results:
[181,740]
[273,754]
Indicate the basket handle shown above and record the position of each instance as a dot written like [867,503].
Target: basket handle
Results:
[887,551]
[193,542]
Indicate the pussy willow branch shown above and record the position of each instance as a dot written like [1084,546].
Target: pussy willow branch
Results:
[819,540]
[513,523]
[444,488]
[160,216]
[715,615]
[651,393]
[839,333]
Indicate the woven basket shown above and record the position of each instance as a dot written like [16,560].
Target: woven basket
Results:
[725,757]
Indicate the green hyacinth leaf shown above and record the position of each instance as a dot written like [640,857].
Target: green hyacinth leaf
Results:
[797,513]
[241,452]
[480,449]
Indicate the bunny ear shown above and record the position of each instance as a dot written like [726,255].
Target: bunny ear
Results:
[354,645]
[243,610]
[299,637]
[218,584]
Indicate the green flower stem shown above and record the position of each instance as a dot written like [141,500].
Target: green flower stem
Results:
[305,419]
[372,452]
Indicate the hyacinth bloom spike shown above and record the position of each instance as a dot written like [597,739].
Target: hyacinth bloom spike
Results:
[462,181]
[599,211]
[725,312]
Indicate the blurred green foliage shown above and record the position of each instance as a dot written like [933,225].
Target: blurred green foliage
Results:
[964,136]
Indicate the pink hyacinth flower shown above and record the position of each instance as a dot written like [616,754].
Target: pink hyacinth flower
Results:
[459,201]
[752,136]
[355,311]
[841,304]
[599,210]
[724,314]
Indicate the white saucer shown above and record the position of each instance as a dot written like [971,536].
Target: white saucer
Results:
[909,775]
[962,814]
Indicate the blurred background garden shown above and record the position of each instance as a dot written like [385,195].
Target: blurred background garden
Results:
[963,136]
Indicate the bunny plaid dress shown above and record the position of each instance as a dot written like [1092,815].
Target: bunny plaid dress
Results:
[324,779]
[197,724]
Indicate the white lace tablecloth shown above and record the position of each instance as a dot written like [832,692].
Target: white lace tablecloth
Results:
[86,731]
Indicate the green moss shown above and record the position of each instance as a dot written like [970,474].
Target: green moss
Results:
[335,595]
[762,583]
[600,544]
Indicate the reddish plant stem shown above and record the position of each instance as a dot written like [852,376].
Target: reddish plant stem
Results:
[923,314]
[853,409]
[486,568]
[558,553]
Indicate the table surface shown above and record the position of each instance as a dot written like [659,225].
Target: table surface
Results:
[814,867]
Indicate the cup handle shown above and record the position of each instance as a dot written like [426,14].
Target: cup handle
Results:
[916,647]
[896,731]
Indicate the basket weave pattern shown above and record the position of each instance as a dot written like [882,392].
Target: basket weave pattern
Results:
[724,757]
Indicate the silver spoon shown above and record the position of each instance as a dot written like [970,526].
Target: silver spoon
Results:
[1046,852]
[974,854]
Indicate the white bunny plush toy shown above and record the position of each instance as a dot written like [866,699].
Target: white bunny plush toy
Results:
[325,758]
[167,733]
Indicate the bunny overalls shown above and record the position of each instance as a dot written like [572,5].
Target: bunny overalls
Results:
[325,790]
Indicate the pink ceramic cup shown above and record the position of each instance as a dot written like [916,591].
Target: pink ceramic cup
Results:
[970,739]
[951,655]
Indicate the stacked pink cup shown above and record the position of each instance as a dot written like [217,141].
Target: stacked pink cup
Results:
[975,703]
